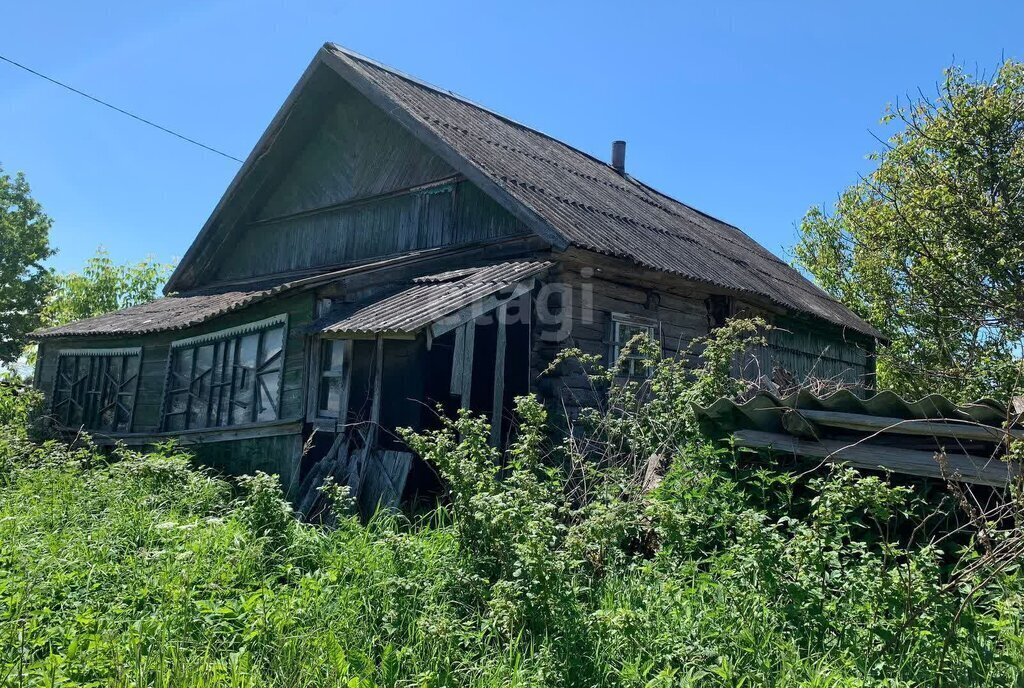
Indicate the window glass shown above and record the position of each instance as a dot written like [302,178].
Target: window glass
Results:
[623,331]
[332,369]
[228,380]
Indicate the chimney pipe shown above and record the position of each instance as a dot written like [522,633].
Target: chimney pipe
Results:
[619,156]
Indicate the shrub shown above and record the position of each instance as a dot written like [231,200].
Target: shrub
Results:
[559,562]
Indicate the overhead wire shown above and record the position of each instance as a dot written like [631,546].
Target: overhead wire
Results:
[120,110]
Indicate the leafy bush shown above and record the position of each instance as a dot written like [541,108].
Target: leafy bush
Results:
[21,406]
[558,563]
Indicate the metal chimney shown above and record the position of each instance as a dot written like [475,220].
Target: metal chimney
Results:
[619,156]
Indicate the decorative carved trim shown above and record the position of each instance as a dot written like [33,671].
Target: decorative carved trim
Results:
[131,351]
[232,332]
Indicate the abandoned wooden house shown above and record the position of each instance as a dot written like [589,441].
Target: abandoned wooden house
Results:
[389,246]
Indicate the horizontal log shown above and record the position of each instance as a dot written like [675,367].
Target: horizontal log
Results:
[953,428]
[973,469]
[203,435]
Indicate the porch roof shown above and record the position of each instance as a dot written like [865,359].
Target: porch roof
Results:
[430,299]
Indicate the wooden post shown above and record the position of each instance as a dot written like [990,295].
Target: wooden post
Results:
[499,376]
[346,385]
[378,382]
[358,472]
[462,362]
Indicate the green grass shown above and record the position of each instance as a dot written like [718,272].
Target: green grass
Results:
[556,570]
[145,571]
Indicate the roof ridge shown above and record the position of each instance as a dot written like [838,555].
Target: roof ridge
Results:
[636,182]
[455,96]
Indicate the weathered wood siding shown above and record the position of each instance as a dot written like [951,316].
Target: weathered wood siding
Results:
[576,305]
[807,349]
[362,187]
[356,152]
[575,308]
[446,215]
[155,349]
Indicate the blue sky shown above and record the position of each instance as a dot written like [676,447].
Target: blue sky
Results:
[750,111]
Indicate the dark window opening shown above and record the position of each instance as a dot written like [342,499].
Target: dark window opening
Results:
[96,389]
[720,309]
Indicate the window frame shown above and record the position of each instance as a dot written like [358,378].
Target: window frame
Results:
[123,353]
[616,342]
[259,327]
[318,414]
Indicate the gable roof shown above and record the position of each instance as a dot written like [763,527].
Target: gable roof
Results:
[566,196]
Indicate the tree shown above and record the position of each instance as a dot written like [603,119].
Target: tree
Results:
[929,247]
[102,287]
[24,281]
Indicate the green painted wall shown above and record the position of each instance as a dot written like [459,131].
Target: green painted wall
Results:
[274,455]
[235,456]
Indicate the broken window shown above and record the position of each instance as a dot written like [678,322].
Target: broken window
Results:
[95,388]
[720,309]
[225,378]
[624,329]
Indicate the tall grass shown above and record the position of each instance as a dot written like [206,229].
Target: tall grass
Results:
[132,570]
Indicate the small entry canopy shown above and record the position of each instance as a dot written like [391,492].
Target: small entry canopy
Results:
[436,303]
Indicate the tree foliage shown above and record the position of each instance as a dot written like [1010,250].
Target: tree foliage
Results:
[24,245]
[103,286]
[929,247]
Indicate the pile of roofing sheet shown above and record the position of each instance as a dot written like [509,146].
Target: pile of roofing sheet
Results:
[932,437]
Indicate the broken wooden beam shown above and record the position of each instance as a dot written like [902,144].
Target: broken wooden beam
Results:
[965,467]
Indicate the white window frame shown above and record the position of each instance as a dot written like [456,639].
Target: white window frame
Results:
[618,340]
[317,414]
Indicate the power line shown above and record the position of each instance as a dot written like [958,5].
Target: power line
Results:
[117,109]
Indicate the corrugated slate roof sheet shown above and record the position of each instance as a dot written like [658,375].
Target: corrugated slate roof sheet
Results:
[765,411]
[185,310]
[931,437]
[594,207]
[431,298]
[162,315]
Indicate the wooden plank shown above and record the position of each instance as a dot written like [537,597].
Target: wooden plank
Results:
[952,428]
[204,435]
[465,394]
[458,353]
[974,469]
[499,377]
[378,378]
[357,471]
[386,474]
[346,386]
